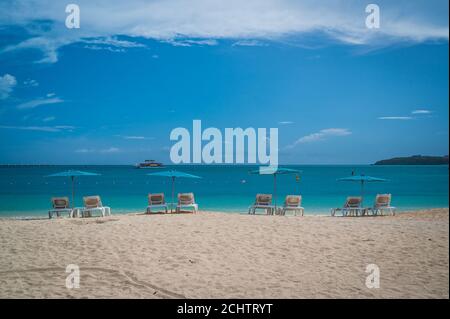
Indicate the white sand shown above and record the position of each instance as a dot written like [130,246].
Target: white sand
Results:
[214,255]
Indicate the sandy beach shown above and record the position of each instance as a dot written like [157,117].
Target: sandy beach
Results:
[218,255]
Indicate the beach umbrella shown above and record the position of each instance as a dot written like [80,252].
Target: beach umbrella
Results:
[173,174]
[72,174]
[275,171]
[362,179]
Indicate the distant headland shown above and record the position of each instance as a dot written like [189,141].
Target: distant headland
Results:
[415,160]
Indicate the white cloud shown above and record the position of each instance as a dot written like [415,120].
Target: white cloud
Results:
[31,83]
[115,42]
[421,112]
[249,43]
[48,45]
[48,119]
[417,114]
[103,151]
[396,118]
[65,127]
[110,150]
[112,44]
[7,83]
[285,122]
[98,48]
[38,102]
[52,129]
[211,20]
[83,150]
[134,137]
[189,43]
[321,135]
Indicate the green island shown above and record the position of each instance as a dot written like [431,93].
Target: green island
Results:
[415,160]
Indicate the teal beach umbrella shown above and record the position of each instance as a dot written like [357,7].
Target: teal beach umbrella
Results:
[362,179]
[173,174]
[275,171]
[72,174]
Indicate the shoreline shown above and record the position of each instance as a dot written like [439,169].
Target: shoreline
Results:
[232,212]
[219,255]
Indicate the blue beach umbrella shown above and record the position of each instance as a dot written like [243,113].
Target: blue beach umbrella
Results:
[275,171]
[173,174]
[72,174]
[362,179]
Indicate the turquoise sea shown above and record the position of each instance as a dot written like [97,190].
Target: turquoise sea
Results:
[25,191]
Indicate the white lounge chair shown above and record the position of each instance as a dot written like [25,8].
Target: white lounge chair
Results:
[352,207]
[156,201]
[293,203]
[383,203]
[93,204]
[262,201]
[186,200]
[60,206]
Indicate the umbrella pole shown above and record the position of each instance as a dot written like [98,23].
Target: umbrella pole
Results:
[73,190]
[173,194]
[275,189]
[362,193]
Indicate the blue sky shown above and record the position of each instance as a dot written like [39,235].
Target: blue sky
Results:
[111,92]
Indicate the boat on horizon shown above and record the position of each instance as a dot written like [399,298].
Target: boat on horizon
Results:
[149,164]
